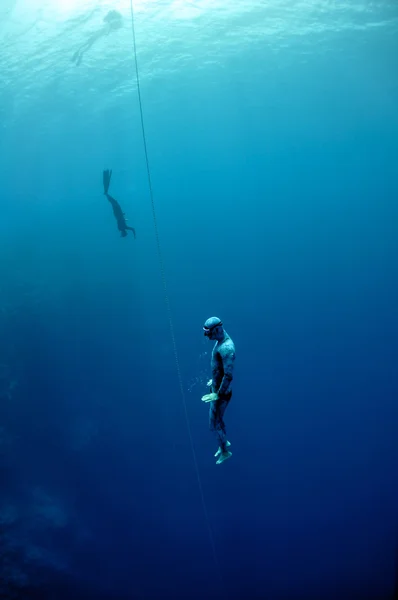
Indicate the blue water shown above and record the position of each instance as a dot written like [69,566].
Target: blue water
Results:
[272,135]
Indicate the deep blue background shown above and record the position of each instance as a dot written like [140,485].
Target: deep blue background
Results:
[275,183]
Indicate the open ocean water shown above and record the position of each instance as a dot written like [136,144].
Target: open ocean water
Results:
[272,139]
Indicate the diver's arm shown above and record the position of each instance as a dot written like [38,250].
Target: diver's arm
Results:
[227,353]
[131,229]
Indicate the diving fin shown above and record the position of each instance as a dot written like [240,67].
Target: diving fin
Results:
[106,176]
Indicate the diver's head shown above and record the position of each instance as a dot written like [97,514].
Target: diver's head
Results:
[213,329]
[114,19]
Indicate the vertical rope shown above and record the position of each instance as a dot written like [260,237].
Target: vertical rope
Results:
[168,310]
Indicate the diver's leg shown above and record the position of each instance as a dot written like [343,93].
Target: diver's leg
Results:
[115,204]
[217,424]
[221,432]
[223,452]
[77,57]
[131,229]
[212,416]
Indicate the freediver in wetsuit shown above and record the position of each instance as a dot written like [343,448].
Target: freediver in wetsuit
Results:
[222,367]
[117,211]
[113,21]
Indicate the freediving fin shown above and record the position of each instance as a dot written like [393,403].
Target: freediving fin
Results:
[106,177]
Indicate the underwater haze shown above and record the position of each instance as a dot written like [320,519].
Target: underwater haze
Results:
[272,138]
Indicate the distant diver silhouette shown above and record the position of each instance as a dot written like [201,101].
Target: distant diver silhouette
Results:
[117,211]
[113,21]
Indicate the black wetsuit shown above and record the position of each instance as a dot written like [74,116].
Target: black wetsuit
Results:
[120,217]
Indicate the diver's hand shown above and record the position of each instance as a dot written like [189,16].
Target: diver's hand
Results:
[210,397]
[209,383]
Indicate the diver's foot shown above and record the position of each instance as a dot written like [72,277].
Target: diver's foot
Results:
[224,456]
[227,445]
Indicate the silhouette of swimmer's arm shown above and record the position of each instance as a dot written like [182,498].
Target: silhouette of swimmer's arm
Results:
[117,211]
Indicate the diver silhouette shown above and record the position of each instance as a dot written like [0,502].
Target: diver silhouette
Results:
[117,211]
[113,21]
